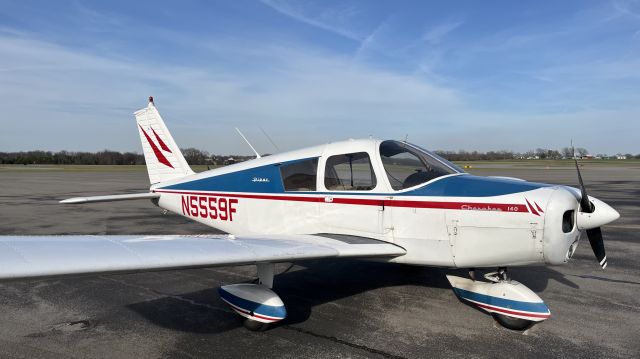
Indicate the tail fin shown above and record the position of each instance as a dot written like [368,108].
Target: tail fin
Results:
[162,155]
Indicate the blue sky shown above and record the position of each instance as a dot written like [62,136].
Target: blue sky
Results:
[475,75]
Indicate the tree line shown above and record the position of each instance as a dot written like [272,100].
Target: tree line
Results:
[198,157]
[107,157]
[537,154]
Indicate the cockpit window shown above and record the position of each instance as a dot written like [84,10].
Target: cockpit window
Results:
[407,165]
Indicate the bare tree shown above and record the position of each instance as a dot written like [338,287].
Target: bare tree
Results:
[581,151]
[567,152]
[541,153]
[194,156]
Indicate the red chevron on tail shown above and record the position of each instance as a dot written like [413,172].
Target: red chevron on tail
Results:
[161,142]
[161,158]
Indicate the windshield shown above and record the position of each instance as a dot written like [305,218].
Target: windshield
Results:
[407,165]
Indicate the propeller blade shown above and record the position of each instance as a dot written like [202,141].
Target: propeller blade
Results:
[594,234]
[585,204]
[597,244]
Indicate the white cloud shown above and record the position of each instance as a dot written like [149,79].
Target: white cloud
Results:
[336,20]
[437,33]
[370,40]
[626,8]
[55,97]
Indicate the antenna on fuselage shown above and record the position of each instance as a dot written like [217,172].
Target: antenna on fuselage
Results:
[573,150]
[269,138]
[248,143]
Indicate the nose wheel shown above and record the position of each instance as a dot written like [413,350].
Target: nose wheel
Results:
[511,304]
[505,320]
[512,323]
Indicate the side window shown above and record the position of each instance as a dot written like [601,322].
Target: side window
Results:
[300,175]
[349,172]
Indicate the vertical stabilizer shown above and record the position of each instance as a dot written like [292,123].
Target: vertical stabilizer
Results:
[161,153]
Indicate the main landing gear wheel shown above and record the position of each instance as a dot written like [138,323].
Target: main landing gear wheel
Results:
[512,322]
[254,325]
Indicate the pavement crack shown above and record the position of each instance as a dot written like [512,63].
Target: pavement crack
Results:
[343,342]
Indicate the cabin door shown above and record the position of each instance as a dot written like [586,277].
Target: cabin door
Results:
[349,204]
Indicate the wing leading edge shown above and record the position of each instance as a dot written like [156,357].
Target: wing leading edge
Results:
[52,256]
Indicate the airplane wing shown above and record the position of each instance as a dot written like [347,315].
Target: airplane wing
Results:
[52,256]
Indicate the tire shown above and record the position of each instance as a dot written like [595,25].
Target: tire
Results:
[254,325]
[513,323]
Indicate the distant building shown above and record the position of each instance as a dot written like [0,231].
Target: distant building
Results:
[621,157]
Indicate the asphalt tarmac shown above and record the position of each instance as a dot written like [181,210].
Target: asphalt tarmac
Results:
[337,308]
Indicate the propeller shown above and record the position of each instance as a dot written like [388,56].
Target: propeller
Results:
[594,234]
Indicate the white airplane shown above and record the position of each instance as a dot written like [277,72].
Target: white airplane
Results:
[389,200]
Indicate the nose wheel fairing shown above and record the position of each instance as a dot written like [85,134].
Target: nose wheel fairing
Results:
[505,297]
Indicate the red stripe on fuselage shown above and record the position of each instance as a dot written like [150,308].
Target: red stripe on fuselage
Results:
[472,206]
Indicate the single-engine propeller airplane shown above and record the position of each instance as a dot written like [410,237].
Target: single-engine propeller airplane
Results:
[388,200]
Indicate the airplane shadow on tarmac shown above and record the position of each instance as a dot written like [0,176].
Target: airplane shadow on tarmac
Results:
[313,283]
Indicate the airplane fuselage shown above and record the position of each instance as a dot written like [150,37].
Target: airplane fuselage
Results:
[453,220]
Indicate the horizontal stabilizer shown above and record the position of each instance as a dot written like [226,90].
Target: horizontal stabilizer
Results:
[51,256]
[110,198]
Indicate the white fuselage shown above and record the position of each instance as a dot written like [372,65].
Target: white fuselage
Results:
[474,222]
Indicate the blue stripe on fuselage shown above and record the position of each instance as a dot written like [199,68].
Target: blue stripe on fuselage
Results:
[253,180]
